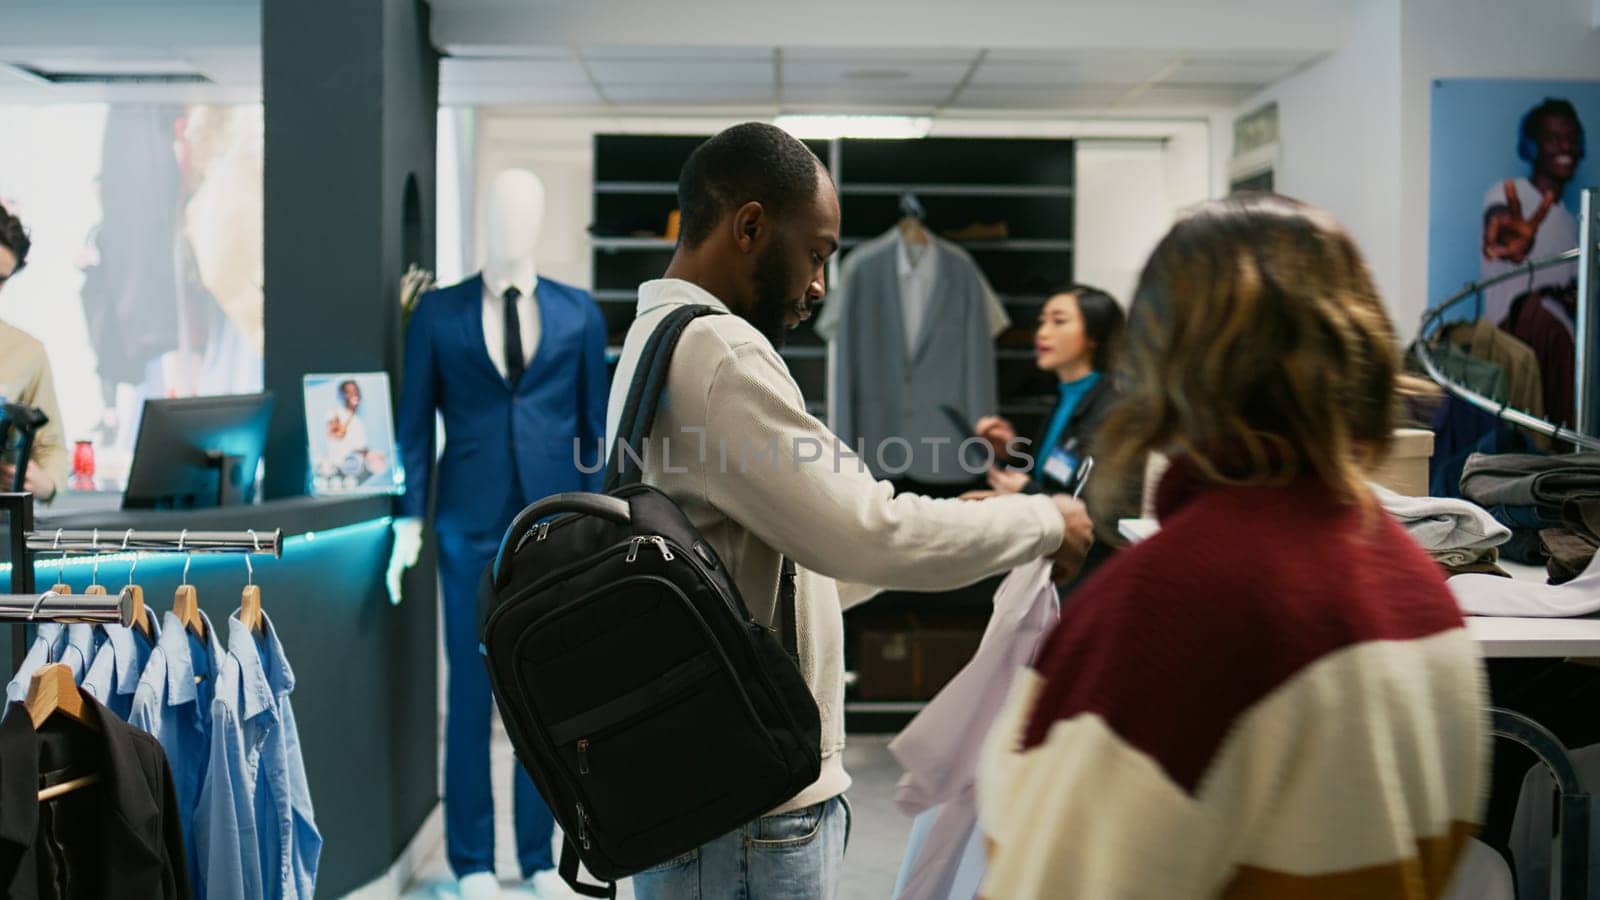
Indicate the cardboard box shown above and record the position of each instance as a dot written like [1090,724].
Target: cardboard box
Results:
[1406,470]
[911,661]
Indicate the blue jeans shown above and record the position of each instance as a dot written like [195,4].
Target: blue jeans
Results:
[791,856]
[468,797]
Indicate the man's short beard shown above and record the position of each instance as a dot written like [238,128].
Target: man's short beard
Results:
[773,303]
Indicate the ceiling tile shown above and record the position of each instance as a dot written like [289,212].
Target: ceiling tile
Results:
[1038,97]
[858,94]
[877,56]
[454,94]
[638,52]
[689,94]
[511,51]
[871,72]
[545,73]
[700,72]
[1258,74]
[1187,96]
[1071,69]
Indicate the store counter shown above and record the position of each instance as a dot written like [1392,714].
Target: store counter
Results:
[365,670]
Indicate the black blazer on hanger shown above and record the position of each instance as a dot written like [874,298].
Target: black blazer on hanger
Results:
[120,838]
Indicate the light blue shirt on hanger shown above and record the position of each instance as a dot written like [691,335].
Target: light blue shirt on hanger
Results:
[173,703]
[113,676]
[256,833]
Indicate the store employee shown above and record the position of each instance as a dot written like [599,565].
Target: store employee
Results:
[25,378]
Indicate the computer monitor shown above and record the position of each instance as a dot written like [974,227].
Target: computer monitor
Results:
[198,451]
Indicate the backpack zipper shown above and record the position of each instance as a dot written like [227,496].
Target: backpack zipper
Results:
[583,756]
[660,542]
[583,827]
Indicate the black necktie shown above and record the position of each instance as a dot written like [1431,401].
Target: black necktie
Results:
[515,361]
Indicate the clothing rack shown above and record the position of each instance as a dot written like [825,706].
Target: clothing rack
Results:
[1433,319]
[68,608]
[27,543]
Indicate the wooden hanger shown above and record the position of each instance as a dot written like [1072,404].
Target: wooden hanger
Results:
[186,607]
[186,603]
[51,691]
[250,609]
[250,600]
[139,621]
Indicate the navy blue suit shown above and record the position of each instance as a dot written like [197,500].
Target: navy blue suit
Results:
[505,446]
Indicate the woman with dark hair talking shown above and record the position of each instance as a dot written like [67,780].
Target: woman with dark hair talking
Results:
[1079,330]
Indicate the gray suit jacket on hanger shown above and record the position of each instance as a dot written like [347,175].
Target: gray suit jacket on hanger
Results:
[879,392]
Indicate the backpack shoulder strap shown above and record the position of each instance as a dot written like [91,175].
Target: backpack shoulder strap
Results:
[644,395]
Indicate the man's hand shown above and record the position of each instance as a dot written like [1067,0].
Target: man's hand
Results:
[1507,235]
[998,432]
[36,482]
[1077,534]
[1007,481]
[407,548]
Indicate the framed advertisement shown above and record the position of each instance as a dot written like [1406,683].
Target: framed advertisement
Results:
[350,435]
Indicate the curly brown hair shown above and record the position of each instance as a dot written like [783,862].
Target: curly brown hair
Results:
[14,237]
[1257,347]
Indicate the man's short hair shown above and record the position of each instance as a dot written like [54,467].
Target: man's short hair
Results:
[753,161]
[14,237]
[1533,119]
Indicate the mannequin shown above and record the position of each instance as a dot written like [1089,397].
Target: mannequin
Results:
[516,365]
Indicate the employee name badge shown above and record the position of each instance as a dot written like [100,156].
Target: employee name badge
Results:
[1060,464]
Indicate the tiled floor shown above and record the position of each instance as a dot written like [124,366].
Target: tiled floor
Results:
[876,843]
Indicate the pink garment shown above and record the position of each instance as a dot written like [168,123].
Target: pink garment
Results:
[940,748]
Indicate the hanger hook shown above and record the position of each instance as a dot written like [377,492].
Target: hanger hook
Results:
[249,568]
[94,577]
[188,558]
[61,567]
[135,563]
[40,602]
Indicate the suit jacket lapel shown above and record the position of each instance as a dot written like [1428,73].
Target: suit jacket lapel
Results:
[471,321]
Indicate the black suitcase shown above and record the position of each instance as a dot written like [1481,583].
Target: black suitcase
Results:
[651,710]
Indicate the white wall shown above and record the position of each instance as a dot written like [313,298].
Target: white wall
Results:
[1474,39]
[1122,210]
[1339,135]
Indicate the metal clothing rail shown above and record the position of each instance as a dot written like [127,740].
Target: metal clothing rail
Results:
[68,608]
[111,540]
[1499,409]
[27,543]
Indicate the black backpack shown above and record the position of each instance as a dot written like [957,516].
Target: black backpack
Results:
[652,711]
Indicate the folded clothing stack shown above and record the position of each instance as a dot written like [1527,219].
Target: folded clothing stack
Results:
[1460,536]
[1573,544]
[1527,493]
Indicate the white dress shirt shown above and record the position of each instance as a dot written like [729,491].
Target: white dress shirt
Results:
[494,321]
[918,269]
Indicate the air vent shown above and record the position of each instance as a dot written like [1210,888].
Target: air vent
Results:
[115,77]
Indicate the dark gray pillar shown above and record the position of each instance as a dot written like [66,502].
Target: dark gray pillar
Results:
[352,96]
[351,100]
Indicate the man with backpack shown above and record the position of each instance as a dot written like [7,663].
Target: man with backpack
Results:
[762,480]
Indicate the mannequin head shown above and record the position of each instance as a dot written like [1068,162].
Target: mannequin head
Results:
[513,215]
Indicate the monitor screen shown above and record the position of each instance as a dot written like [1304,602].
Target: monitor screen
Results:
[198,451]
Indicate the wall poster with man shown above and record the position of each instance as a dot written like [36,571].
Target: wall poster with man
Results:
[1508,164]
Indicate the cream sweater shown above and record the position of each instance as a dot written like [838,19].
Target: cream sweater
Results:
[25,378]
[761,478]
